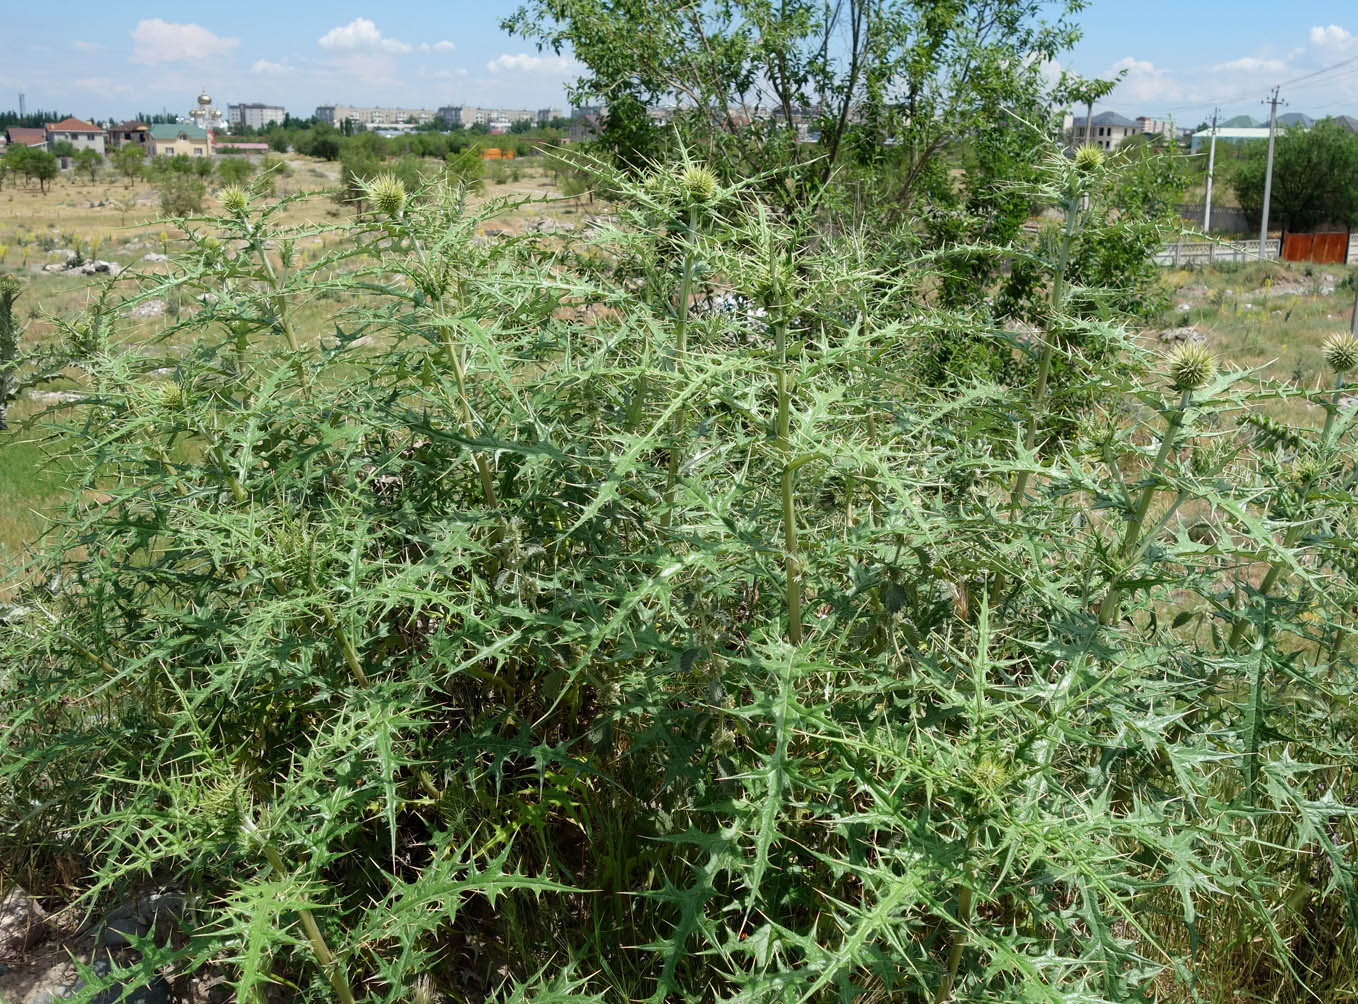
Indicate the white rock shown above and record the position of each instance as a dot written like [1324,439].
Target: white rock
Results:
[154,256]
[151,308]
[22,923]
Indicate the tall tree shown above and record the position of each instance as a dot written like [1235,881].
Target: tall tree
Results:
[1315,177]
[754,80]
[1086,92]
[43,166]
[87,160]
[130,160]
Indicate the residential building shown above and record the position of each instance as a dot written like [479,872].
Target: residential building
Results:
[1348,122]
[21,136]
[365,117]
[495,119]
[255,115]
[171,139]
[134,133]
[80,134]
[1105,130]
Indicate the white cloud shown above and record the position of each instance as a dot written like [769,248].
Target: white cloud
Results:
[1249,64]
[1144,81]
[525,62]
[443,46]
[360,35]
[87,46]
[1332,36]
[156,41]
[269,66]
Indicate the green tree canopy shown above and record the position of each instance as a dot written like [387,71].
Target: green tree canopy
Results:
[873,80]
[1315,177]
[88,161]
[130,160]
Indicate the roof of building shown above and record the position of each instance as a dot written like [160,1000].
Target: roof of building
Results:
[173,130]
[72,124]
[27,137]
[1241,122]
[1109,119]
[1296,118]
[1348,122]
[128,127]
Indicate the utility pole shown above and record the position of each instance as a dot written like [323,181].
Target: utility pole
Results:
[1268,173]
[1211,166]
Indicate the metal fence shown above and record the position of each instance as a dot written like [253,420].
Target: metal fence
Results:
[1215,252]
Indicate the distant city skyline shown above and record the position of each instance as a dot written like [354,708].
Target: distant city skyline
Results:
[96,60]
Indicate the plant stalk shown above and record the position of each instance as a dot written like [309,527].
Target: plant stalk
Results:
[1108,609]
[680,350]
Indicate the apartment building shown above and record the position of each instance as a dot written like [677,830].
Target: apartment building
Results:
[254,115]
[371,117]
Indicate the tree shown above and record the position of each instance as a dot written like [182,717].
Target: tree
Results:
[88,160]
[62,148]
[43,166]
[18,159]
[876,82]
[130,161]
[1315,177]
[1086,92]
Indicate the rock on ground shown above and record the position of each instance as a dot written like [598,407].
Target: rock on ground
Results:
[22,923]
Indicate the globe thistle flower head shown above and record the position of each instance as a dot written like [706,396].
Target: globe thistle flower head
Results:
[1190,367]
[1341,352]
[1088,158]
[698,183]
[234,200]
[387,194]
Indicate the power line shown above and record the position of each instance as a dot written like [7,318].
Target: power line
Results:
[1317,73]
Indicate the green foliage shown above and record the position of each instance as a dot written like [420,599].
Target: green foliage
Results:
[234,170]
[630,621]
[1315,177]
[41,165]
[895,82]
[88,161]
[180,194]
[130,161]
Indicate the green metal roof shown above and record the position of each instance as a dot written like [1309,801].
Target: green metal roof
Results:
[173,130]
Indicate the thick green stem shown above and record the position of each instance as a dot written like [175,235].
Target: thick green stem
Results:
[1056,303]
[279,303]
[959,944]
[319,948]
[1131,538]
[679,420]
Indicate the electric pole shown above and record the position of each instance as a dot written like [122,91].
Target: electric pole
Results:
[1211,165]
[1268,172]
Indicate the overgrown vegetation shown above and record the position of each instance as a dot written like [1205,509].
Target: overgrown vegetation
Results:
[663,617]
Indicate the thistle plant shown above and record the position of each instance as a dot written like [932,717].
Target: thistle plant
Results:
[425,672]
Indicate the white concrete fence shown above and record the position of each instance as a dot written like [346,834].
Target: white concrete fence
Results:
[1215,252]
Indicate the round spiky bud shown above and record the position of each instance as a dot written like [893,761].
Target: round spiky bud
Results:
[1341,352]
[234,200]
[172,394]
[1191,366]
[1088,158]
[387,194]
[698,183]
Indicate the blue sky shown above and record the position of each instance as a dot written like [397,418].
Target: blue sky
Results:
[101,59]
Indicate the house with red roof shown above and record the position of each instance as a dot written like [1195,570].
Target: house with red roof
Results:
[21,136]
[80,134]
